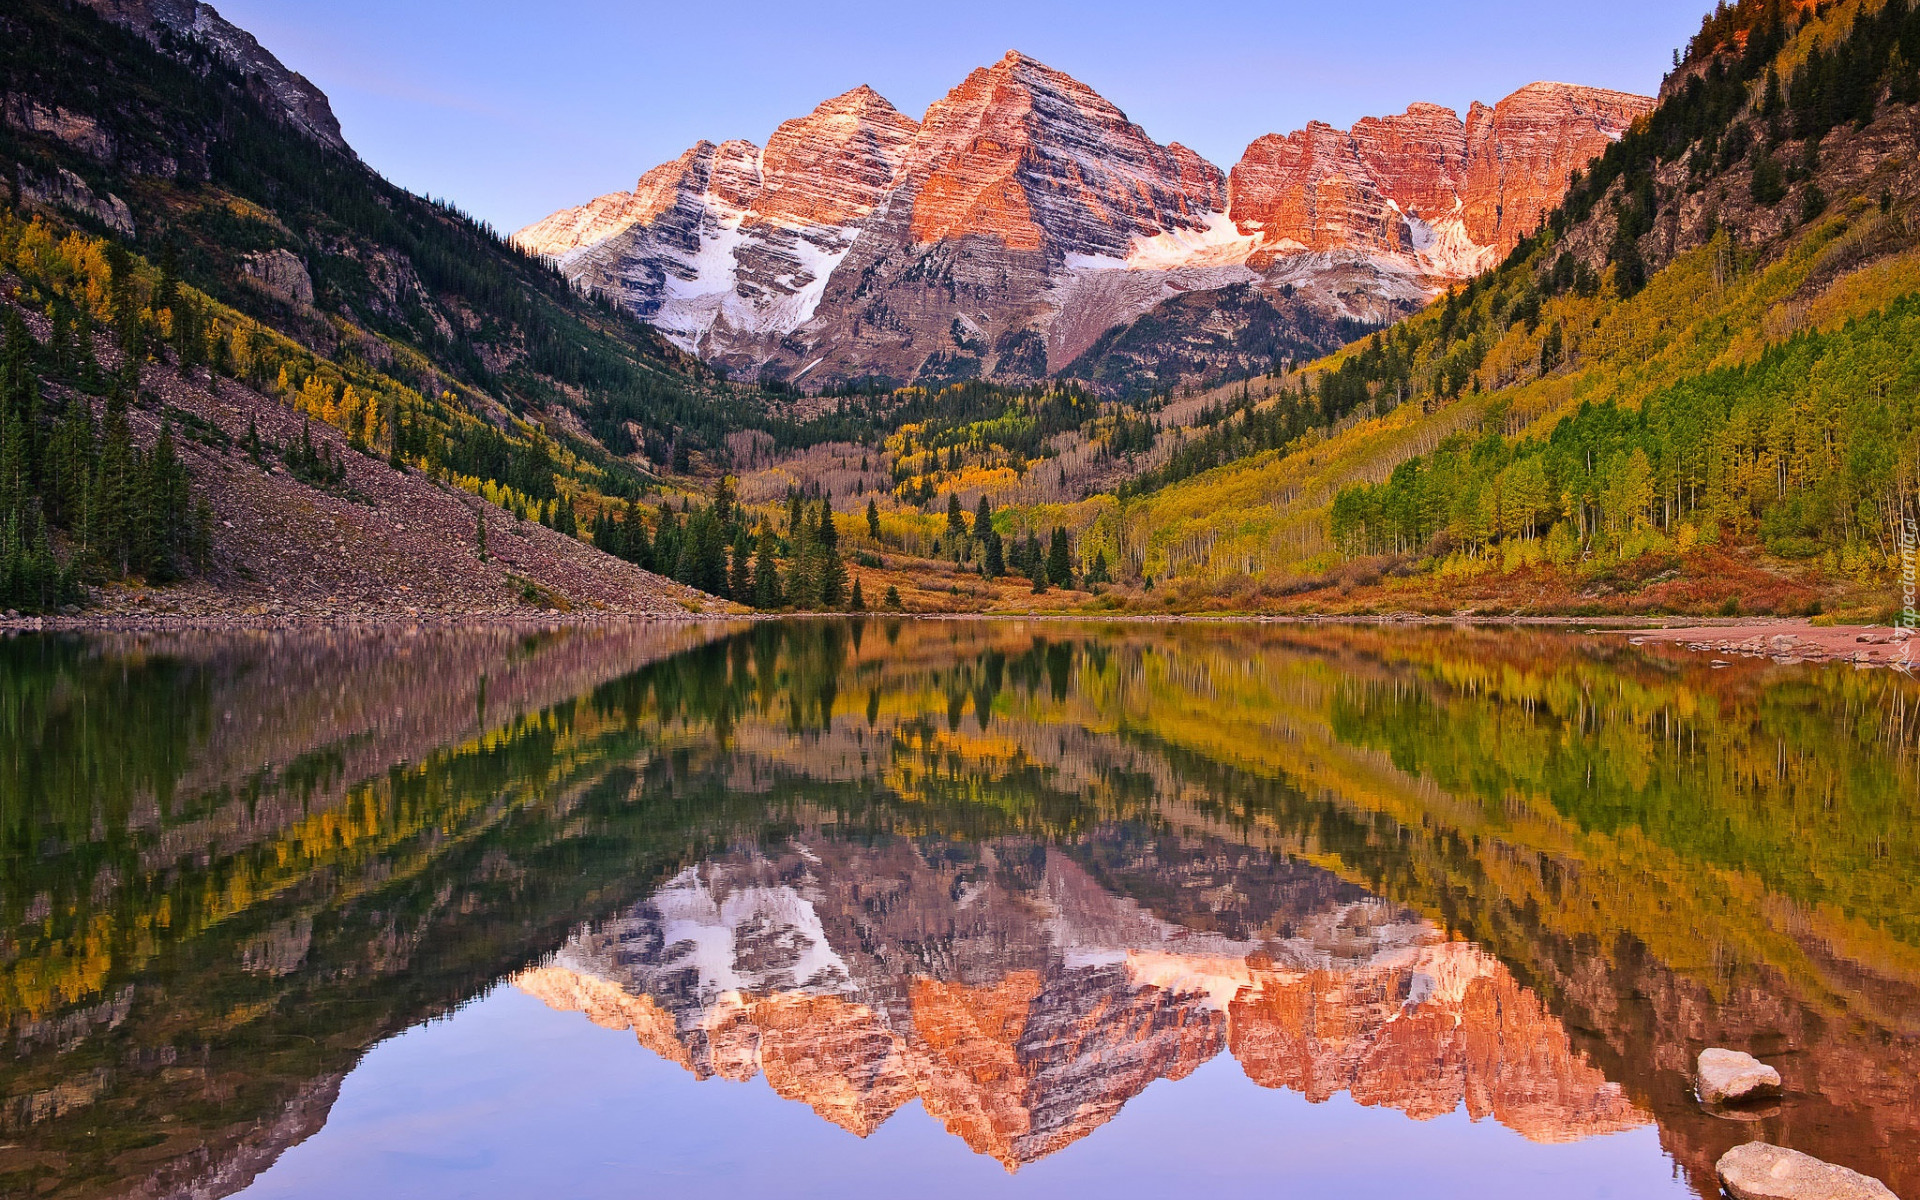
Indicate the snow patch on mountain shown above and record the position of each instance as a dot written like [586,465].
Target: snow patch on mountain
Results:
[706,930]
[1444,248]
[1218,243]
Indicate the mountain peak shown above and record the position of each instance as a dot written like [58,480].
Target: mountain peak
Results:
[304,106]
[1027,211]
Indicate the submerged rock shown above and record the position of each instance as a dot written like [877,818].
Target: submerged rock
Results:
[1758,1171]
[1729,1076]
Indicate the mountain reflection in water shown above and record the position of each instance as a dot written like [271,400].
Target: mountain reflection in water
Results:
[1015,873]
[1023,994]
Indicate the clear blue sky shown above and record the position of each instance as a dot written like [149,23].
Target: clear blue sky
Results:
[512,110]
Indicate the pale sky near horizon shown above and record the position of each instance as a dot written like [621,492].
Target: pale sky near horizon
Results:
[514,110]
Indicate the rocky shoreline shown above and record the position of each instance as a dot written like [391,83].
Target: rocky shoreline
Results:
[1784,641]
[1794,642]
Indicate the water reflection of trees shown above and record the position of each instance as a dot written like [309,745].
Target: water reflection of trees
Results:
[1666,853]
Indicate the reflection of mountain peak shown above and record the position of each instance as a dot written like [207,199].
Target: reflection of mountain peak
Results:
[1023,999]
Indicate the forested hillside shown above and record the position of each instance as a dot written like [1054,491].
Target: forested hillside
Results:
[170,240]
[301,235]
[1705,355]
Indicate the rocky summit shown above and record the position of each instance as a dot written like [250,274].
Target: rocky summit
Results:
[1024,217]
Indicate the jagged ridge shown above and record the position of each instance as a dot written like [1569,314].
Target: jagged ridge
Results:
[1026,211]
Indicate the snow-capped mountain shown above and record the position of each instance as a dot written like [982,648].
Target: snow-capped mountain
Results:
[1025,216]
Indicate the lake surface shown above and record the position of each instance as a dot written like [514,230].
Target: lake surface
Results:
[944,908]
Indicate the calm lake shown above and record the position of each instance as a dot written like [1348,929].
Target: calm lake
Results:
[944,908]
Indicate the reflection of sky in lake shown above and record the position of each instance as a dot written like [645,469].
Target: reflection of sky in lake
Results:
[510,1098]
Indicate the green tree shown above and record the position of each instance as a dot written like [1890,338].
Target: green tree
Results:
[873,520]
[740,579]
[766,575]
[1060,559]
[830,575]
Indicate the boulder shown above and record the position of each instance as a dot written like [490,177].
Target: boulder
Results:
[1729,1076]
[1758,1171]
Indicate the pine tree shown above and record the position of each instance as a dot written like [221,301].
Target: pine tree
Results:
[706,541]
[766,575]
[1060,559]
[830,574]
[993,561]
[956,521]
[859,601]
[873,520]
[480,530]
[109,519]
[740,579]
[892,600]
[666,542]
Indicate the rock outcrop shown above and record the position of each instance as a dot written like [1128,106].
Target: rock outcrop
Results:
[1025,216]
[1024,1003]
[1451,196]
[1757,1171]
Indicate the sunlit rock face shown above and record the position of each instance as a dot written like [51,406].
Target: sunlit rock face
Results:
[1025,215]
[1448,196]
[730,245]
[1023,995]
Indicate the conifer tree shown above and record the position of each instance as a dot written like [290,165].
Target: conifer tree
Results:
[873,520]
[766,575]
[740,578]
[993,562]
[830,576]
[666,541]
[1060,559]
[858,603]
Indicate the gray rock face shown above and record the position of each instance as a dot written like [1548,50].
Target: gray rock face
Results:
[283,274]
[1729,1076]
[67,190]
[1758,1171]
